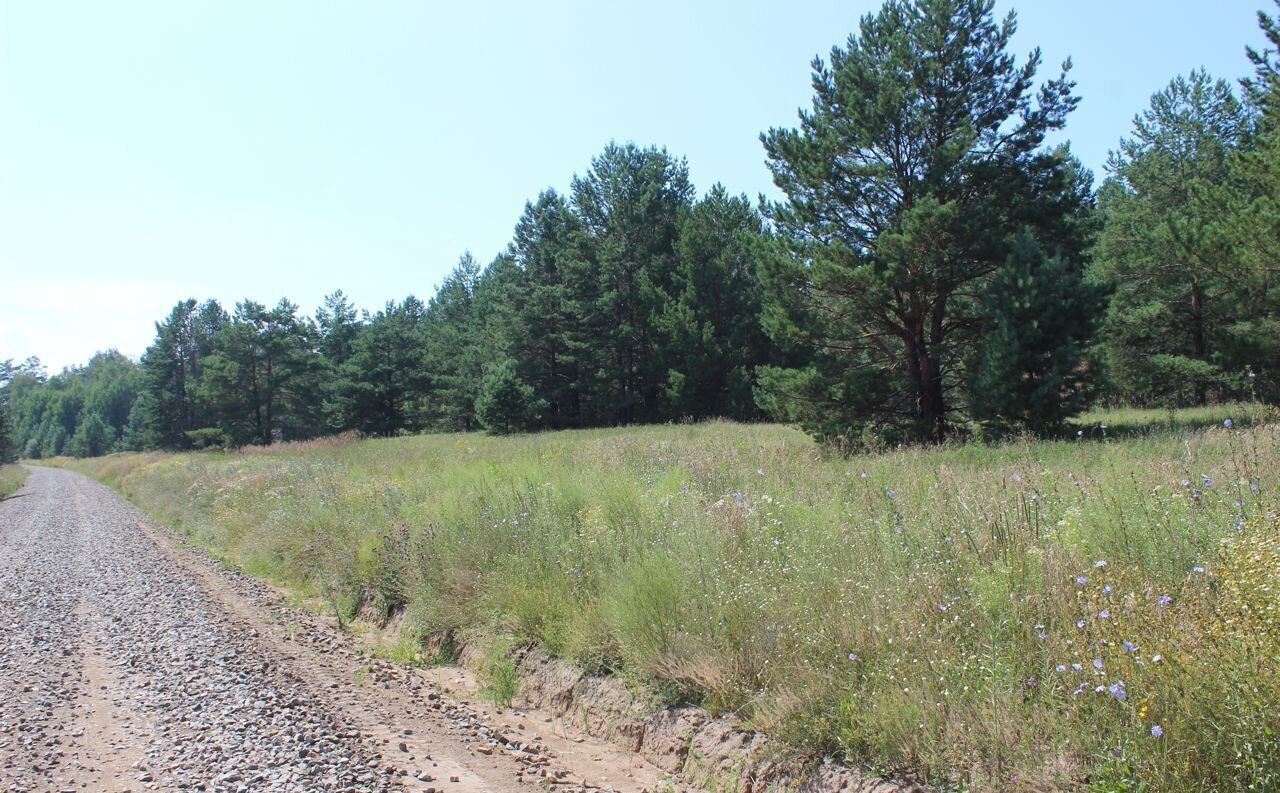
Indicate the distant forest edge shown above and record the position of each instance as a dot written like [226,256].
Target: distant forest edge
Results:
[935,270]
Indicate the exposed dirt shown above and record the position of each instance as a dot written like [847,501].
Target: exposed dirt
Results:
[131,662]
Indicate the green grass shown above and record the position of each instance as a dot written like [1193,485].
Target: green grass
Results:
[917,610]
[12,477]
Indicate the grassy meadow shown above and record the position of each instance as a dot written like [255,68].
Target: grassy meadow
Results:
[1101,612]
[12,477]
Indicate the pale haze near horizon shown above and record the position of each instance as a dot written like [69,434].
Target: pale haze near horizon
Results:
[151,152]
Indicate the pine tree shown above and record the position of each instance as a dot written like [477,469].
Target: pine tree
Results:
[711,328]
[507,404]
[262,379]
[453,364]
[381,387]
[173,368]
[552,337]
[922,156]
[629,203]
[1027,376]
[338,325]
[1170,286]
[91,439]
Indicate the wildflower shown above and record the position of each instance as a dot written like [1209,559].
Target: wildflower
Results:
[1100,563]
[888,493]
[853,656]
[1186,483]
[1061,667]
[759,472]
[1077,667]
[1130,646]
[737,495]
[1105,614]
[1116,690]
[1081,580]
[1097,663]
[1155,659]
[1164,600]
[1156,730]
[1079,623]
[1226,423]
[1106,590]
[942,607]
[1205,480]
[1197,569]
[1042,635]
[1253,486]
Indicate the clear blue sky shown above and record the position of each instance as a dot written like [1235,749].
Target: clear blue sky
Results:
[231,149]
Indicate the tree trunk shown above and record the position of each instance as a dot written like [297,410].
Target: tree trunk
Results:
[1197,337]
[925,373]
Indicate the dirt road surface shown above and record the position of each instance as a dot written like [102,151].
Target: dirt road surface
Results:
[130,662]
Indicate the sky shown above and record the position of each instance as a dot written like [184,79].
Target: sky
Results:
[153,151]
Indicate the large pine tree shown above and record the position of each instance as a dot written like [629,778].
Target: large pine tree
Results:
[921,157]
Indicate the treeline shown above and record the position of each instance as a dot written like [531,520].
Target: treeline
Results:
[627,301]
[934,269]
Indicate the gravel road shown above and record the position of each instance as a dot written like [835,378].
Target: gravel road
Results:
[129,661]
[118,673]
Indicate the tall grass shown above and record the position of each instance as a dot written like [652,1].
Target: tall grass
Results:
[1100,611]
[12,478]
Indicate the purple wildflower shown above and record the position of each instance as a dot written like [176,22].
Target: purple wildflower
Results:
[1156,730]
[1164,600]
